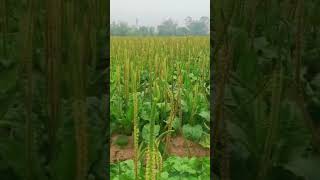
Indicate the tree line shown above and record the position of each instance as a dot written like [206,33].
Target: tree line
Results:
[168,27]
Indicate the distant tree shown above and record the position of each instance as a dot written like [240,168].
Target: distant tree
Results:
[197,27]
[113,28]
[133,31]
[167,27]
[188,20]
[120,29]
[123,28]
[205,20]
[182,31]
[151,31]
[143,31]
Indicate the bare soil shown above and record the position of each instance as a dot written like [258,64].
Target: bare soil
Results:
[179,146]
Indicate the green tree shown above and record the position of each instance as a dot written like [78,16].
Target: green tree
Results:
[120,29]
[143,31]
[197,27]
[182,31]
[167,27]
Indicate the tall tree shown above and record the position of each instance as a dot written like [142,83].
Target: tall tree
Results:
[198,27]
[167,27]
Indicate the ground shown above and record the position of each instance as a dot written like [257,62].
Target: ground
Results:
[179,146]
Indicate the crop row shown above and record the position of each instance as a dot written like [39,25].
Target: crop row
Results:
[159,88]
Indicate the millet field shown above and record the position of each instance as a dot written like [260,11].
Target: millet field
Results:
[159,102]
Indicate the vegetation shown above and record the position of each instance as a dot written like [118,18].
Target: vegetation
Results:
[266,88]
[167,28]
[122,140]
[159,86]
[174,168]
[51,76]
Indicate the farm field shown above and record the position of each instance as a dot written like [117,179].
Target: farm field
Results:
[160,107]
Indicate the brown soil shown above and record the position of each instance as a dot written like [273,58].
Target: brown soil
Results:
[179,146]
[121,154]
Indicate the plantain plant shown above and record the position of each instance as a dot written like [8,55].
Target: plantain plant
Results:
[261,61]
[52,132]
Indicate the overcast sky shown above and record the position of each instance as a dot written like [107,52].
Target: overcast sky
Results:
[153,12]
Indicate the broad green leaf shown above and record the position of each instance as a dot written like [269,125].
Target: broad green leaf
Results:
[205,141]
[8,78]
[305,167]
[205,115]
[146,132]
[193,133]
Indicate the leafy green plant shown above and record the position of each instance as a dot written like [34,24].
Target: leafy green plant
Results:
[193,133]
[53,104]
[263,118]
[122,140]
[179,168]
[149,103]
[205,140]
[123,170]
[174,168]
[146,132]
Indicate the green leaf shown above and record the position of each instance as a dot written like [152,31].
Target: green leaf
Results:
[193,133]
[205,141]
[165,175]
[63,166]
[261,43]
[122,140]
[184,106]
[305,167]
[176,123]
[145,115]
[205,115]
[12,153]
[164,106]
[8,79]
[316,81]
[146,132]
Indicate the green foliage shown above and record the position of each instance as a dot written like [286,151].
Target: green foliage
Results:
[167,28]
[176,124]
[193,133]
[205,115]
[265,103]
[306,167]
[198,27]
[185,168]
[122,140]
[174,168]
[154,59]
[146,132]
[205,140]
[168,77]
[42,77]
[122,171]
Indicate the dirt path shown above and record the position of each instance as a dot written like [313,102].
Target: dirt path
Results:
[179,146]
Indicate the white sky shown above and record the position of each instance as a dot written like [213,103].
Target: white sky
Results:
[153,12]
